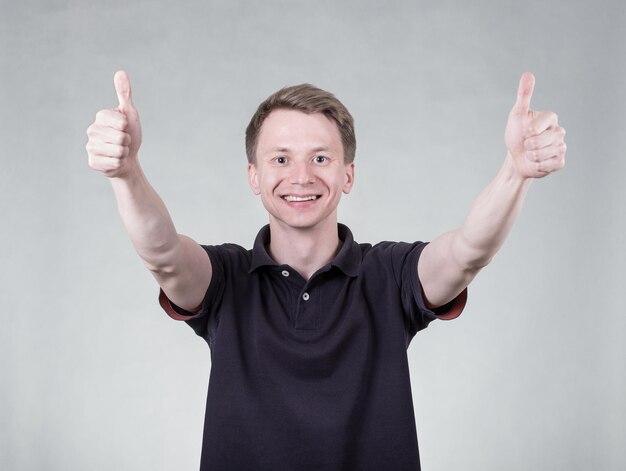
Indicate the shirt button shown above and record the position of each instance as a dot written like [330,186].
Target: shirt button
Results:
[306,296]
[285,273]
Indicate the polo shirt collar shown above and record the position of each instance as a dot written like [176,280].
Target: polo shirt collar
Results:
[348,260]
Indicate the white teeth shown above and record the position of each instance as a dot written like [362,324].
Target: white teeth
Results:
[299,198]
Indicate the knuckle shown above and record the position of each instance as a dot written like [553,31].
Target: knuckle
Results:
[121,152]
[122,121]
[92,147]
[101,115]
[123,139]
[94,163]
[93,130]
[115,152]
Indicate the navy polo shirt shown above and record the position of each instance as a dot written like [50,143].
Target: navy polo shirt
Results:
[311,374]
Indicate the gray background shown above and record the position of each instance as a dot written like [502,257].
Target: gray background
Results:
[95,376]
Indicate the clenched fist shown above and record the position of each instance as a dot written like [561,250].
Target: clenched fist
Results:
[115,135]
[534,139]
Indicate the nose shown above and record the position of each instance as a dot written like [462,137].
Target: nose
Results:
[301,174]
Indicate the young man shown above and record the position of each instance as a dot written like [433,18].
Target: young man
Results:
[308,330]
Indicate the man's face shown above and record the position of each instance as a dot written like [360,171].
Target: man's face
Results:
[300,171]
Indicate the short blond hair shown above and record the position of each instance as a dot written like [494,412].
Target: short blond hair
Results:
[308,99]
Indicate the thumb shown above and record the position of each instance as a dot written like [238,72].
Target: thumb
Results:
[122,88]
[524,93]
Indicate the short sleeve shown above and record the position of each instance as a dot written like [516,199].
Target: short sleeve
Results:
[405,258]
[204,321]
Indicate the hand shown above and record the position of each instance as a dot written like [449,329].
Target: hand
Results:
[534,140]
[115,135]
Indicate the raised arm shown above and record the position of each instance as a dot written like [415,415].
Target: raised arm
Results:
[180,266]
[535,148]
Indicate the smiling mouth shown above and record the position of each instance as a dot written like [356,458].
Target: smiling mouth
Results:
[297,199]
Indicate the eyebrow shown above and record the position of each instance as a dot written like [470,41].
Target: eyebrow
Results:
[286,149]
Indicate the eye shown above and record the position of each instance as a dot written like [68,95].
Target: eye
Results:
[281,160]
[320,159]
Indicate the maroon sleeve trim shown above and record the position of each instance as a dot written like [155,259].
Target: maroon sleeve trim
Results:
[458,304]
[173,311]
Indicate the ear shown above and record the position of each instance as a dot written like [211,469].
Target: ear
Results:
[253,179]
[349,178]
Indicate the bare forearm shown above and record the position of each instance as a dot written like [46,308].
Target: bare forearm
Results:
[490,219]
[452,260]
[146,220]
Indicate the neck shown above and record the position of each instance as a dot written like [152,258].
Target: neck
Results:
[305,250]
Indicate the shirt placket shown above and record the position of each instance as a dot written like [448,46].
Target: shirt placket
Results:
[307,302]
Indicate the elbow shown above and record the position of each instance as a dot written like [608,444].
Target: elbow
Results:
[160,271]
[477,263]
[162,261]
[471,258]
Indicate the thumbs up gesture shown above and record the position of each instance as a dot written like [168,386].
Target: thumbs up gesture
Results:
[534,139]
[114,137]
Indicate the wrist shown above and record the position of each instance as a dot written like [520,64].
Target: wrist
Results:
[131,179]
[131,173]
[511,172]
